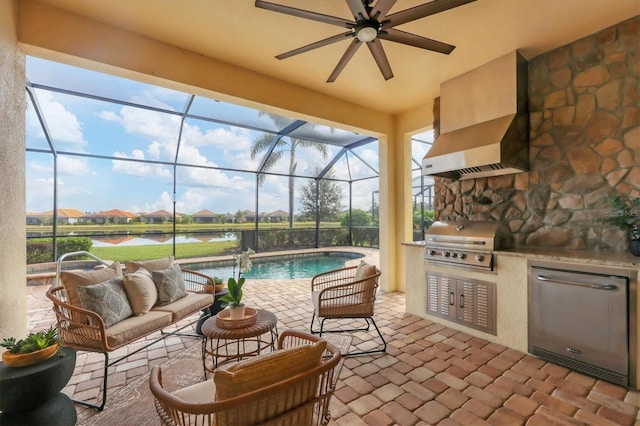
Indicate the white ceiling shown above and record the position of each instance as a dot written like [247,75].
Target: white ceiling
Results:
[236,32]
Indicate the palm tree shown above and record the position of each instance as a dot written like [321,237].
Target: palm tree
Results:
[283,145]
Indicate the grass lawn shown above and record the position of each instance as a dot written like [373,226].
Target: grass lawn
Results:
[183,251]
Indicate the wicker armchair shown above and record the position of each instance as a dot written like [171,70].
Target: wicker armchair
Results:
[346,293]
[299,399]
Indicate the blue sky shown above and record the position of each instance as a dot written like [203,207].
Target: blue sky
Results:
[89,126]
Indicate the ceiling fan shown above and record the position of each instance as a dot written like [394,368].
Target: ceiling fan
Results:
[370,24]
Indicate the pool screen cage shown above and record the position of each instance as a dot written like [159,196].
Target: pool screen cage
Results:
[96,135]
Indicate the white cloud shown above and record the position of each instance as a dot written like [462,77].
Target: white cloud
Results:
[109,116]
[39,194]
[163,202]
[135,168]
[73,166]
[63,125]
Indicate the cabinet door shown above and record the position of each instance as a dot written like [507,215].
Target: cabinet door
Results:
[441,296]
[476,304]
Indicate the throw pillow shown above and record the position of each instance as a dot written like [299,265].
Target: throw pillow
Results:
[107,299]
[149,265]
[363,271]
[73,279]
[170,284]
[267,369]
[141,291]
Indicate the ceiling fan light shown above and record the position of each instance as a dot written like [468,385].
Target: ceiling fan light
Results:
[367,34]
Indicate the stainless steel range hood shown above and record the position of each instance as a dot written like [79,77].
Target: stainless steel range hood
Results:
[484,122]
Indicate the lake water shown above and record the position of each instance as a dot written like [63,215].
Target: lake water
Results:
[120,241]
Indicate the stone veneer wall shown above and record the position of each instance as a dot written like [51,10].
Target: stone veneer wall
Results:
[585,145]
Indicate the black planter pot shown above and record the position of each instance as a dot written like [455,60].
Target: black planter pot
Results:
[634,247]
[31,395]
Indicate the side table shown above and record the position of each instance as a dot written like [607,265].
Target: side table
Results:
[221,345]
[31,395]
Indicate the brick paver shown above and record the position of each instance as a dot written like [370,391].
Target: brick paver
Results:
[431,374]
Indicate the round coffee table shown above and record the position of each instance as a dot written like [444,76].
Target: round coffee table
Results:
[221,345]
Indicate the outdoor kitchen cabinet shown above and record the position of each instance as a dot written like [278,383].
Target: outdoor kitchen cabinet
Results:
[468,302]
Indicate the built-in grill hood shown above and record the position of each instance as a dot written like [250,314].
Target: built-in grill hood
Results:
[484,122]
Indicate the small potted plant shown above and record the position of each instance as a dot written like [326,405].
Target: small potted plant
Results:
[233,299]
[625,214]
[37,346]
[214,285]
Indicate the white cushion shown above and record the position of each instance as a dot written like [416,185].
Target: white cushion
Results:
[141,291]
[200,393]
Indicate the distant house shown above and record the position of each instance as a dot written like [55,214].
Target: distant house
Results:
[34,218]
[249,216]
[114,216]
[205,216]
[160,216]
[65,217]
[277,216]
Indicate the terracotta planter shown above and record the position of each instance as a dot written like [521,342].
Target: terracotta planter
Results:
[212,289]
[23,360]
[224,320]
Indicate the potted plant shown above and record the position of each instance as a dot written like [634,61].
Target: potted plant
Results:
[233,299]
[37,346]
[214,285]
[625,214]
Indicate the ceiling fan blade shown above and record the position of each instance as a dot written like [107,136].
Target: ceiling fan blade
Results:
[375,47]
[306,14]
[414,40]
[417,12]
[358,9]
[348,54]
[379,12]
[308,47]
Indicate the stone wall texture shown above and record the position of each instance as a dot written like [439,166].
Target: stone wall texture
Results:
[584,105]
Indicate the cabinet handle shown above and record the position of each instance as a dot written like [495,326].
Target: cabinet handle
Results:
[596,286]
[462,300]
[451,299]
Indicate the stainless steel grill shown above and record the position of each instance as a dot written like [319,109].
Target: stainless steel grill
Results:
[466,243]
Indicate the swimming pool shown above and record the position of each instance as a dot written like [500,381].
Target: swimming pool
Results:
[281,267]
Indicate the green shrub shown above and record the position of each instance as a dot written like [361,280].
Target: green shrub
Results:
[358,218]
[40,250]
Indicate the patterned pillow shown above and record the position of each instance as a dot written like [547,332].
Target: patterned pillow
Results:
[170,285]
[107,299]
[141,291]
[71,280]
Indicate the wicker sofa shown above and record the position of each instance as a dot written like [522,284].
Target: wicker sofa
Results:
[92,313]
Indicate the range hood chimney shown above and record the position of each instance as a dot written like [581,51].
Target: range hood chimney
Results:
[484,122]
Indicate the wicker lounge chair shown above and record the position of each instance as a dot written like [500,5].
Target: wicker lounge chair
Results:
[291,386]
[346,293]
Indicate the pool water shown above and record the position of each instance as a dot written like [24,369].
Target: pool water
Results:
[281,267]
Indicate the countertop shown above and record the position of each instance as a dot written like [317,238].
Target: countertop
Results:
[609,258]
